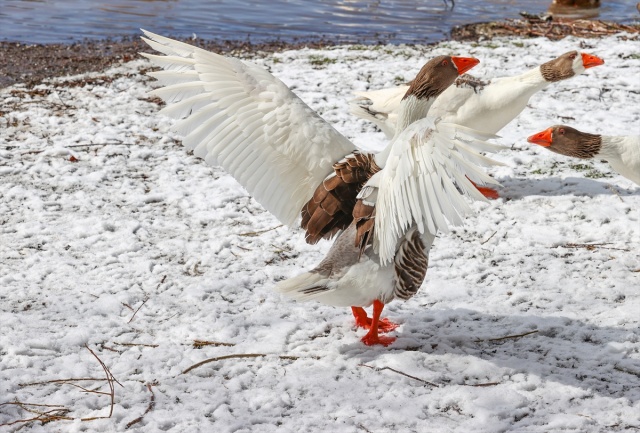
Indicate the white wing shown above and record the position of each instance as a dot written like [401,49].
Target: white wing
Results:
[237,115]
[380,107]
[424,181]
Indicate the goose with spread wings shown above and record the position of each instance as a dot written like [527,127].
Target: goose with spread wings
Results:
[383,209]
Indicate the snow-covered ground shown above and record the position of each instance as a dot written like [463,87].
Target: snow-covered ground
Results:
[113,237]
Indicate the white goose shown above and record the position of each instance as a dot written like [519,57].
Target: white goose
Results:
[386,207]
[621,152]
[485,106]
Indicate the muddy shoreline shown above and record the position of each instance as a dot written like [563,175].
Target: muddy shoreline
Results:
[31,64]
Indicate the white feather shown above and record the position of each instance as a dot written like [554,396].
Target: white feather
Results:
[425,181]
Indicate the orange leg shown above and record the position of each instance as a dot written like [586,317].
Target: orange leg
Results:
[372,336]
[362,321]
[487,192]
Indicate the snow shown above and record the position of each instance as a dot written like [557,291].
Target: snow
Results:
[113,237]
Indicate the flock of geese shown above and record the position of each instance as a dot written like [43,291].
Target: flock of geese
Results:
[383,209]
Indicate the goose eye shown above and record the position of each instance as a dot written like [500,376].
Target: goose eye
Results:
[445,63]
[561,131]
[572,56]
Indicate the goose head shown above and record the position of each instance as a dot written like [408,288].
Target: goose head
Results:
[438,74]
[568,65]
[568,141]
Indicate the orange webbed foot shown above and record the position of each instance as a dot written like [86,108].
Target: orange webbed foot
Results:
[376,325]
[386,325]
[372,340]
[363,321]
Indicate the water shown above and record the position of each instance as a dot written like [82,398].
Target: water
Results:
[46,21]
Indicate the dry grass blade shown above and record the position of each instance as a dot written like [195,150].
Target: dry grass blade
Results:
[401,373]
[508,337]
[240,355]
[152,404]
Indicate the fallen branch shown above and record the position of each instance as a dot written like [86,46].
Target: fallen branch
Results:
[152,404]
[508,337]
[251,234]
[240,355]
[401,373]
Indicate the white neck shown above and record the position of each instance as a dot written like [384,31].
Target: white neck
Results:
[611,146]
[623,154]
[410,110]
[532,79]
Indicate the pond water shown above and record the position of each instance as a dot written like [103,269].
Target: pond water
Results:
[46,21]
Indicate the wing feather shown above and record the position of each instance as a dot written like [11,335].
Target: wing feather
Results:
[425,181]
[239,116]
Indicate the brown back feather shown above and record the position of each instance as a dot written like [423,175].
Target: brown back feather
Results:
[331,207]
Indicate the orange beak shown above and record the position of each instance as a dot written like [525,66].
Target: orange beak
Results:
[589,61]
[543,138]
[464,63]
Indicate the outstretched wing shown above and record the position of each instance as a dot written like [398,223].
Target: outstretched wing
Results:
[425,181]
[237,115]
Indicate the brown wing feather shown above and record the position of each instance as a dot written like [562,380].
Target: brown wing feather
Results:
[331,207]
[365,217]
[410,267]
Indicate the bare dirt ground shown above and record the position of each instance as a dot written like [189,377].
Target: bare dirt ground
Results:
[30,64]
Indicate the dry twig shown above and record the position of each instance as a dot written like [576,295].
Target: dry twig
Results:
[152,404]
[624,370]
[484,384]
[250,234]
[136,344]
[202,343]
[110,380]
[138,309]
[508,337]
[58,412]
[240,355]
[399,372]
[489,238]
[592,247]
[46,382]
